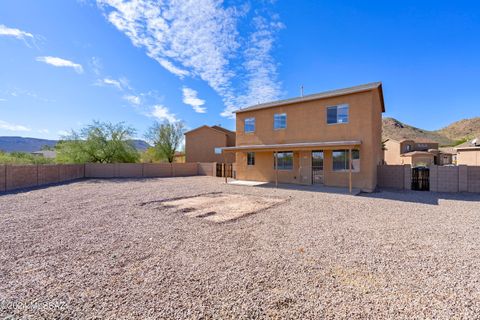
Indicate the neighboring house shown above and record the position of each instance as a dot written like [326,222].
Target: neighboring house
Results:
[204,144]
[418,152]
[331,138]
[448,155]
[49,154]
[469,152]
[179,157]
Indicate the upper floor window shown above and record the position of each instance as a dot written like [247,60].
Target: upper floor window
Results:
[337,114]
[218,150]
[279,120]
[284,160]
[408,148]
[249,125]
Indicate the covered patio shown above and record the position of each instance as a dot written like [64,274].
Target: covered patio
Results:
[324,163]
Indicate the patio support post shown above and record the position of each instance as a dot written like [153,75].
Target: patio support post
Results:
[275,153]
[350,170]
[224,167]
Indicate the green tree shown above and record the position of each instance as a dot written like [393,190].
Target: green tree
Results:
[166,138]
[101,142]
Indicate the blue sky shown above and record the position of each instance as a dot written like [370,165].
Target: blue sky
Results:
[64,63]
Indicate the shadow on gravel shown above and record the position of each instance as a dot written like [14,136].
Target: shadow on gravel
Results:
[311,188]
[423,197]
[43,186]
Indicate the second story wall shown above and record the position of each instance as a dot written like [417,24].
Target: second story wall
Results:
[307,121]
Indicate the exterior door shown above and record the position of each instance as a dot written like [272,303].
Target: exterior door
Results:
[317,167]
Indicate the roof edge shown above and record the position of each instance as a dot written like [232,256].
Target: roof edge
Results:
[320,95]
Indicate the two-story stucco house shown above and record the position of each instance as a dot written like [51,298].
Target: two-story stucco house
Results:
[331,138]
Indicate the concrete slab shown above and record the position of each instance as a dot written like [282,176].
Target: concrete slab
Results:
[290,186]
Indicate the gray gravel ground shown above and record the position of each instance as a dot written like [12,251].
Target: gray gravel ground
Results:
[90,249]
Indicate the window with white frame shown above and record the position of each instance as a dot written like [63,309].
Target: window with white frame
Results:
[279,121]
[284,160]
[337,114]
[249,125]
[341,159]
[250,158]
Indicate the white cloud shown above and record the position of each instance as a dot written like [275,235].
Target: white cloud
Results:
[132,99]
[45,131]
[162,113]
[59,62]
[12,32]
[112,82]
[120,84]
[12,127]
[190,98]
[202,39]
[96,65]
[3,100]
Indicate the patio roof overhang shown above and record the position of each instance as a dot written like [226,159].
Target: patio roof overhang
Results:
[295,146]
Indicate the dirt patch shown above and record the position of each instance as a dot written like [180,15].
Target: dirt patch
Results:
[221,207]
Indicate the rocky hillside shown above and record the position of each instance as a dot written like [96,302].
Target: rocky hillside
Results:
[453,134]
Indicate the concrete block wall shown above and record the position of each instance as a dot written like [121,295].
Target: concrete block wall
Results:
[146,170]
[473,179]
[21,176]
[157,170]
[442,178]
[462,178]
[99,170]
[391,176]
[49,173]
[25,176]
[206,168]
[447,179]
[407,177]
[3,177]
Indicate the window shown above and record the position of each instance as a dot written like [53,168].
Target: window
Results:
[340,160]
[218,150]
[408,148]
[284,160]
[249,125]
[337,114]
[250,158]
[279,121]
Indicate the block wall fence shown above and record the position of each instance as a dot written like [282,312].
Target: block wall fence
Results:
[14,177]
[442,178]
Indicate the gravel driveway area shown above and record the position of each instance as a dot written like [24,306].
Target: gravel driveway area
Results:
[94,249]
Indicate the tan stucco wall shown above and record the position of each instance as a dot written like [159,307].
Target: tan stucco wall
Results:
[392,152]
[200,145]
[416,160]
[306,122]
[471,157]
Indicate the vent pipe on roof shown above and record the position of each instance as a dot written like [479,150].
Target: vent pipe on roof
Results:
[301,91]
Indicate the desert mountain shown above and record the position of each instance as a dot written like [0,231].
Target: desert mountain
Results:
[452,134]
[21,144]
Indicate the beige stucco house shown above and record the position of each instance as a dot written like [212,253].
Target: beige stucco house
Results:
[468,153]
[418,152]
[204,144]
[331,138]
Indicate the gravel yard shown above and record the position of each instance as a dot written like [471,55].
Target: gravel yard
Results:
[135,249]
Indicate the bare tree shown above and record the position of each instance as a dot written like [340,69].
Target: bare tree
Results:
[166,138]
